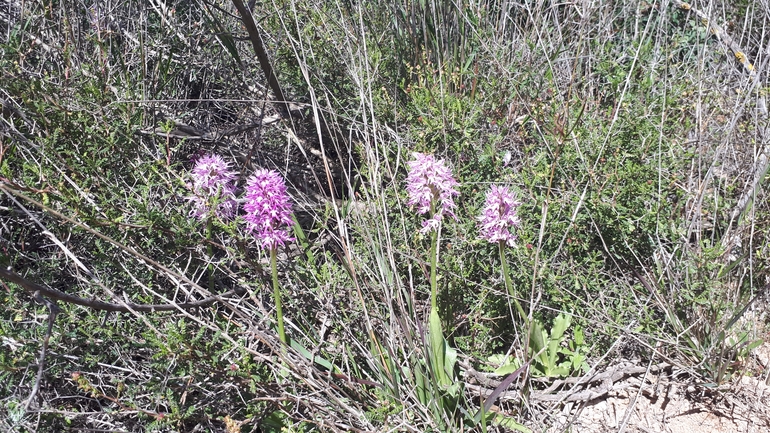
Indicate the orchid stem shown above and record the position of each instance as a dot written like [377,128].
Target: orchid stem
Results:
[433,264]
[508,283]
[210,251]
[277,296]
[524,317]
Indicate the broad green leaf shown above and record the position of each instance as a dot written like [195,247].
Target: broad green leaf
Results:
[450,358]
[536,337]
[422,386]
[437,347]
[317,359]
[560,325]
[510,423]
[509,367]
[498,359]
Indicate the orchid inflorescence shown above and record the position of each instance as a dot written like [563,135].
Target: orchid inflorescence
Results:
[431,187]
[268,208]
[499,217]
[267,205]
[213,185]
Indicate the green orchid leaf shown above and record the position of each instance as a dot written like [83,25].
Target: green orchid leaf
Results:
[508,368]
[438,349]
[510,423]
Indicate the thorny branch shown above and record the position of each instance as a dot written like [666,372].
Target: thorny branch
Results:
[606,382]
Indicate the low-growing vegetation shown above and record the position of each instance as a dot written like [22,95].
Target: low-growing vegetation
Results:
[304,215]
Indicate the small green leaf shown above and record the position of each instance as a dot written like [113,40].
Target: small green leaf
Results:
[536,337]
[560,325]
[450,359]
[579,339]
[754,345]
[498,359]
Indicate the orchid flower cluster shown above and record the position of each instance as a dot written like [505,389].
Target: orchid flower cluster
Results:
[213,187]
[268,209]
[267,205]
[499,216]
[431,189]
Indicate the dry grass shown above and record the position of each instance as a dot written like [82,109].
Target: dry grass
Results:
[634,133]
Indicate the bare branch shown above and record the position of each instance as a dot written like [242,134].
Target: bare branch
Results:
[53,310]
[763,162]
[95,304]
[259,49]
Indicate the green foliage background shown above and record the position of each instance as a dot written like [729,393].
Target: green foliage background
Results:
[628,131]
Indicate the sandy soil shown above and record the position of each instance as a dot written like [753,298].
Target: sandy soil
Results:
[660,403]
[743,407]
